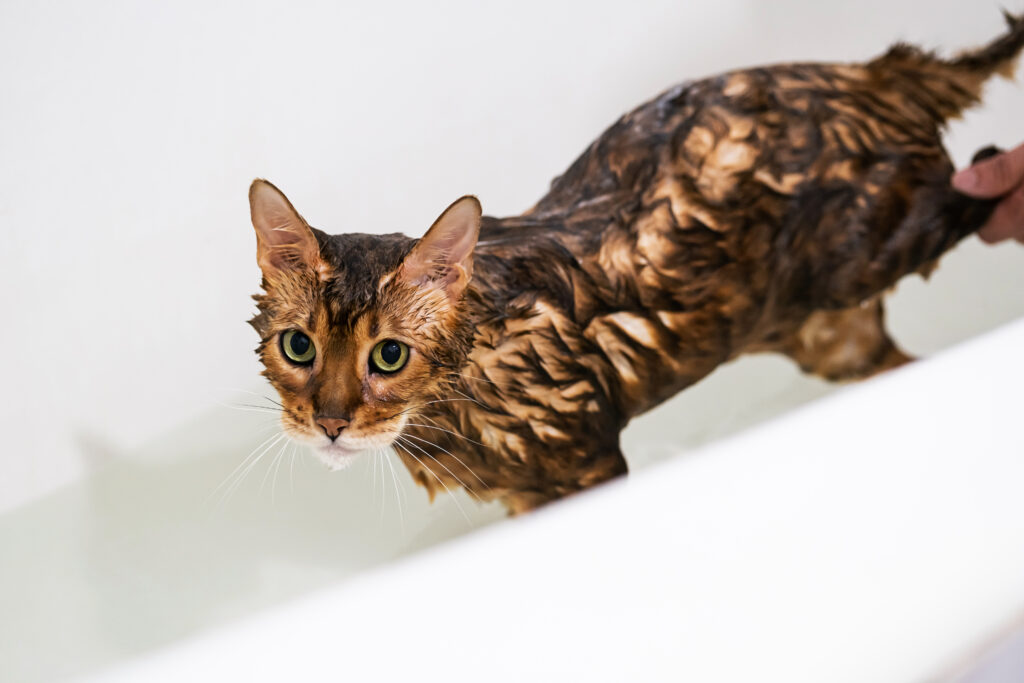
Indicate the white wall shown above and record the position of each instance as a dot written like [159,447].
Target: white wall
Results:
[129,133]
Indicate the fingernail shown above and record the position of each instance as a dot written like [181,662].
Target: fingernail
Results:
[966,179]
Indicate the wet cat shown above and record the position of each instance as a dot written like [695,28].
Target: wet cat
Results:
[761,210]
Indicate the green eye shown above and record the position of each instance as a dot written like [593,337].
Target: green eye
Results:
[389,356]
[298,347]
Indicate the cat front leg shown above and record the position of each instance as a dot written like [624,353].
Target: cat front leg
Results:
[586,472]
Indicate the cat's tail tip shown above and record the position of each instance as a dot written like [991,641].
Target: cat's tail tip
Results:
[946,87]
[998,56]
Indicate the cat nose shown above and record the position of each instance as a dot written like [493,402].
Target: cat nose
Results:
[332,426]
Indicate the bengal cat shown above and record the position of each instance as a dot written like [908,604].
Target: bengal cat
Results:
[761,210]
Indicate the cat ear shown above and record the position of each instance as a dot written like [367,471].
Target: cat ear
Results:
[284,242]
[444,256]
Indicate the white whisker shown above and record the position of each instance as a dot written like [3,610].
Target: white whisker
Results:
[251,408]
[276,459]
[398,492]
[253,393]
[457,459]
[244,473]
[241,465]
[439,481]
[469,398]
[481,379]
[277,468]
[447,431]
[374,485]
[291,467]
[461,483]
[447,400]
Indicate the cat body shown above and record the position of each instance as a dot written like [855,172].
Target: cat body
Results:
[762,210]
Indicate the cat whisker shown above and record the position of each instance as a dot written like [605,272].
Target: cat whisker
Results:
[250,407]
[400,413]
[274,461]
[429,419]
[241,465]
[448,431]
[439,481]
[378,463]
[277,468]
[252,459]
[241,477]
[380,501]
[445,400]
[468,398]
[291,467]
[398,493]
[421,405]
[454,476]
[383,480]
[457,459]
[374,485]
[254,393]
[481,379]
[258,407]
[267,473]
[266,426]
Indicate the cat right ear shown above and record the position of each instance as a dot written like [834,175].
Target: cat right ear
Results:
[444,256]
[284,241]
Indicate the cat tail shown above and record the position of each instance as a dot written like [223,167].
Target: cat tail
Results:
[946,87]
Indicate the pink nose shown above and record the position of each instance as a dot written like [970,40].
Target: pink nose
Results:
[332,426]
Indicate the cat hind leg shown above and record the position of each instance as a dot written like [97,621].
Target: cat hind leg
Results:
[847,344]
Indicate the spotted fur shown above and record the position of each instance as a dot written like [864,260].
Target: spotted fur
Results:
[761,210]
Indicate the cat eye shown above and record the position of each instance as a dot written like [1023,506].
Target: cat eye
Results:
[298,347]
[389,356]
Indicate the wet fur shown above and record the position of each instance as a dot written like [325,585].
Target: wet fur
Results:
[761,210]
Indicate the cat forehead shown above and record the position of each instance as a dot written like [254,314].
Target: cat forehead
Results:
[358,256]
[349,289]
[357,264]
[328,309]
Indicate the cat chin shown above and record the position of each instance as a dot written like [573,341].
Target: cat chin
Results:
[336,458]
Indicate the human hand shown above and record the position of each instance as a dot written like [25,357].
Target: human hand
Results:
[998,176]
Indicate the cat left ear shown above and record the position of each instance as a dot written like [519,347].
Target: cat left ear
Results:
[444,256]
[284,241]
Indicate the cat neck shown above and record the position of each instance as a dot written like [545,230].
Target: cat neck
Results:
[580,259]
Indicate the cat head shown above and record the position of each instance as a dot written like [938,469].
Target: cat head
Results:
[359,331]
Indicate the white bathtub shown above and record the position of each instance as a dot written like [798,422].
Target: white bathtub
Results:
[774,526]
[879,527]
[874,535]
